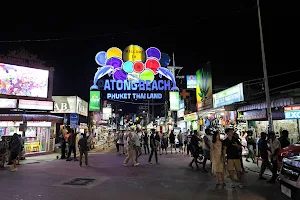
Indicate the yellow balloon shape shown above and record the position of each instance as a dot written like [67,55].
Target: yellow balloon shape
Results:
[134,53]
[114,52]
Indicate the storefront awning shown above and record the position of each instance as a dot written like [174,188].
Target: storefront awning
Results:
[275,103]
[30,117]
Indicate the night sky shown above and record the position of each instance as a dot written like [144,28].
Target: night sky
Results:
[224,33]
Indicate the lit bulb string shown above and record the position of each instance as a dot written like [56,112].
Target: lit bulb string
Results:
[114,34]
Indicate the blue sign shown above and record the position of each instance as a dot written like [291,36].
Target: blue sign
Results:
[292,114]
[191,81]
[74,118]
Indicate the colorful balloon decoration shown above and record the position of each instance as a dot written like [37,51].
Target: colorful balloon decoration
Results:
[115,62]
[147,75]
[152,64]
[134,63]
[101,58]
[128,66]
[153,52]
[134,53]
[114,52]
[138,67]
[164,60]
[120,75]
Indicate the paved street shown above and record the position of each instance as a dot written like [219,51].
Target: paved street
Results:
[171,179]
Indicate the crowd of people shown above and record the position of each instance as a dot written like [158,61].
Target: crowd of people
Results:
[224,150]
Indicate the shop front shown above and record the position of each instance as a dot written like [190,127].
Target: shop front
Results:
[257,120]
[37,130]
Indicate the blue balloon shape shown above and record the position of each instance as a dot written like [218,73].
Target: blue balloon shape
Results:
[101,58]
[164,60]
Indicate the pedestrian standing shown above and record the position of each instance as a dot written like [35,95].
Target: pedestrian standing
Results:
[207,140]
[172,141]
[164,143]
[263,153]
[195,149]
[153,146]
[83,149]
[145,141]
[232,146]
[72,145]
[218,158]
[275,147]
[180,141]
[15,148]
[137,146]
[131,150]
[121,143]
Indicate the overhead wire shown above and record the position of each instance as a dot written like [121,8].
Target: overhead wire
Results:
[117,33]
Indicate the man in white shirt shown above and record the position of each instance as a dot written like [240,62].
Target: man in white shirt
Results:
[275,147]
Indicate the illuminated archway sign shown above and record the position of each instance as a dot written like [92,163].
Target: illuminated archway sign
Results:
[133,73]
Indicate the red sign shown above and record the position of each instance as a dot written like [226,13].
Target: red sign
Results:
[289,108]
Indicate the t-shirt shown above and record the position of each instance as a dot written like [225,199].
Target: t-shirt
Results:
[83,144]
[232,151]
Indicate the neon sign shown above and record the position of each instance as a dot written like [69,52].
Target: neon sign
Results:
[133,70]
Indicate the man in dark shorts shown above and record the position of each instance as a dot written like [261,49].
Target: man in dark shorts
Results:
[15,148]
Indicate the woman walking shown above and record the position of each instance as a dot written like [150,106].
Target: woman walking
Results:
[218,159]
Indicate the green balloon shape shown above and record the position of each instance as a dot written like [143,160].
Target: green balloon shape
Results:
[147,75]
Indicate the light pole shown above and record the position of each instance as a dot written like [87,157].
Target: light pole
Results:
[263,56]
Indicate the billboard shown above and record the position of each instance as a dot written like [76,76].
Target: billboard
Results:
[191,81]
[94,101]
[229,96]
[136,73]
[23,81]
[204,89]
[70,104]
[174,101]
[292,112]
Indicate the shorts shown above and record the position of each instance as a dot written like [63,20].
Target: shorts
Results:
[206,154]
[185,142]
[180,144]
[234,164]
[13,155]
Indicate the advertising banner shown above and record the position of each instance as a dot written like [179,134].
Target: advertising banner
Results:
[229,96]
[94,101]
[191,81]
[204,88]
[277,114]
[23,81]
[8,103]
[174,101]
[35,105]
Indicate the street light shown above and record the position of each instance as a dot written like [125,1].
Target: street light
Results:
[263,56]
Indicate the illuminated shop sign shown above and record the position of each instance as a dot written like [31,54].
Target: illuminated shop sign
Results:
[191,117]
[8,103]
[133,73]
[35,105]
[292,112]
[229,96]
